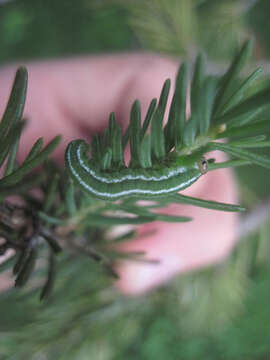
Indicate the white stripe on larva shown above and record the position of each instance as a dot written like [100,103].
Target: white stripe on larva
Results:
[172,173]
[125,192]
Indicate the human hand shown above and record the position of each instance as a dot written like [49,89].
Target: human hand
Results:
[74,98]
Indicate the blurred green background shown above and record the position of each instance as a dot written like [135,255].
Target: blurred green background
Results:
[42,29]
[217,313]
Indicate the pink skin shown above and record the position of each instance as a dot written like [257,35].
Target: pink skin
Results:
[74,98]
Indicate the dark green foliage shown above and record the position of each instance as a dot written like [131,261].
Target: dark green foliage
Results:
[245,131]
[15,105]
[26,268]
[11,124]
[242,154]
[145,152]
[191,128]
[157,135]
[148,117]
[182,199]
[20,225]
[36,148]
[229,78]
[239,93]
[177,115]
[70,198]
[47,288]
[251,104]
[135,134]
[52,193]
[150,327]
[207,97]
[28,165]
[96,151]
[106,160]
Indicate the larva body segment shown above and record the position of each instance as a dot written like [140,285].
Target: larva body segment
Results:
[142,183]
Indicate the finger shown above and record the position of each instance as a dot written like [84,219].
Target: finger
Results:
[75,97]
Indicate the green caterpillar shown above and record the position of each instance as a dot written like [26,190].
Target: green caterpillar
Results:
[142,183]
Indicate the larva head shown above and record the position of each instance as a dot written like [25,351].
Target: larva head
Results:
[203,165]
